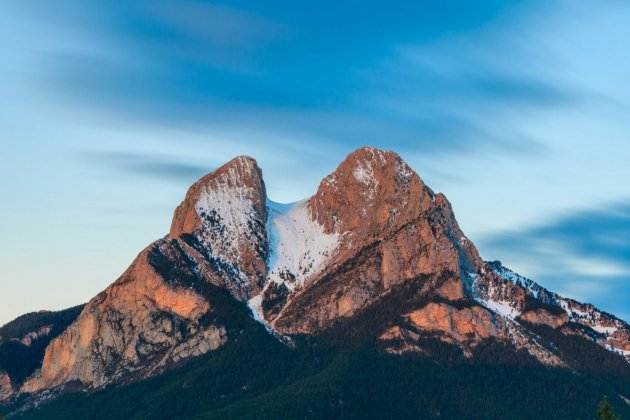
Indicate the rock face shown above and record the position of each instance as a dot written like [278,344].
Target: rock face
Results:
[382,226]
[142,323]
[518,297]
[374,241]
[23,342]
[475,323]
[6,388]
[157,314]
[226,212]
[544,317]
[31,336]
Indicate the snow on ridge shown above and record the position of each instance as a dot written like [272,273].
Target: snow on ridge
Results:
[364,173]
[404,171]
[617,350]
[255,306]
[503,308]
[226,211]
[605,330]
[513,277]
[581,313]
[298,245]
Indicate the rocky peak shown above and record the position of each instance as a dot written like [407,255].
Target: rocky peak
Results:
[370,191]
[374,243]
[226,212]
[159,312]
[389,228]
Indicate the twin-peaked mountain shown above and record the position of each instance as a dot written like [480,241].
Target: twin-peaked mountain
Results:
[373,255]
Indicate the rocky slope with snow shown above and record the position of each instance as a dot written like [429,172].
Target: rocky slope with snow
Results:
[520,298]
[374,251]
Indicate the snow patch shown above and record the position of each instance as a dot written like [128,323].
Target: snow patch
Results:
[618,350]
[575,313]
[298,245]
[531,286]
[364,173]
[502,308]
[255,305]
[604,330]
[227,214]
[404,171]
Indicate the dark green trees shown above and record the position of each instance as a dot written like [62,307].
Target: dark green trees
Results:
[605,411]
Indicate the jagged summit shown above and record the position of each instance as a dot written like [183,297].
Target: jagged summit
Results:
[240,177]
[373,243]
[369,189]
[225,211]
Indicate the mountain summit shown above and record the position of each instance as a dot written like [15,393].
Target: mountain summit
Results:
[374,255]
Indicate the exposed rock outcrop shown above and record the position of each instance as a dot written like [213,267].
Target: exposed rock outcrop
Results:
[28,338]
[472,323]
[226,212]
[543,316]
[515,296]
[390,228]
[139,325]
[372,231]
[6,388]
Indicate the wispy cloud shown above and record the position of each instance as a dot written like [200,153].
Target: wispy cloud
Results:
[221,65]
[153,166]
[514,109]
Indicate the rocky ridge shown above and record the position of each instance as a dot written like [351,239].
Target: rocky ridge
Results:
[518,297]
[157,313]
[372,233]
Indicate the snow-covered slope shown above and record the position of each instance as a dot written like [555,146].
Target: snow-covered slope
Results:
[298,245]
[512,295]
[298,248]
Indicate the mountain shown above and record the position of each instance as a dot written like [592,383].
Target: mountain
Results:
[367,286]
[23,342]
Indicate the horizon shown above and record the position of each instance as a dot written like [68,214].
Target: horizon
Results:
[516,111]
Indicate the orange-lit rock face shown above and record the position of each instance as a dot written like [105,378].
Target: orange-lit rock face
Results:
[133,327]
[452,289]
[465,327]
[620,339]
[377,229]
[472,323]
[544,317]
[226,211]
[392,229]
[374,195]
[142,286]
[6,389]
[369,192]
[28,338]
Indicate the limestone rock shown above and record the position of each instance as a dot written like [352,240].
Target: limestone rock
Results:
[6,388]
[138,325]
[391,229]
[373,234]
[542,316]
[226,212]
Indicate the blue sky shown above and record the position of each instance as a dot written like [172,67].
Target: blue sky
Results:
[517,110]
